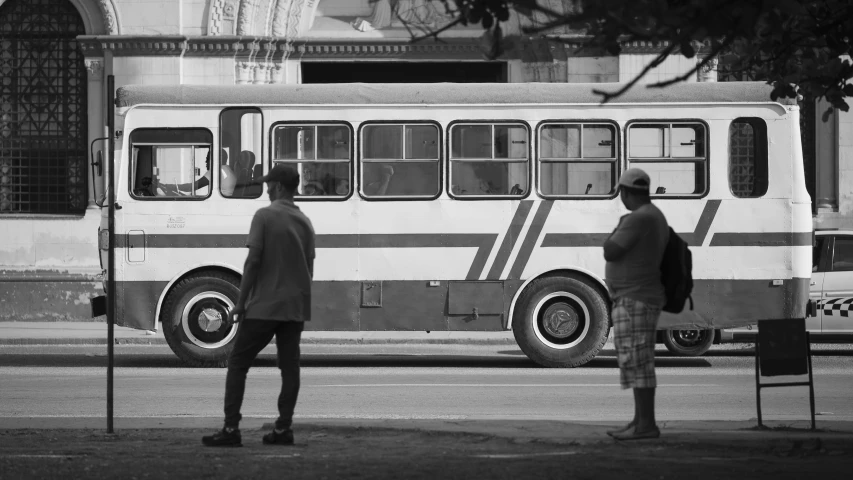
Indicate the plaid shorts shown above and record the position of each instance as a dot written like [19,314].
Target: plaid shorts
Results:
[634,327]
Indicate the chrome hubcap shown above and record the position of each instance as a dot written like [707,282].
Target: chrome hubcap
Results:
[203,320]
[560,320]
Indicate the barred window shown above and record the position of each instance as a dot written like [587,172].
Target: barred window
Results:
[577,159]
[489,160]
[321,152]
[674,154]
[400,160]
[748,173]
[43,125]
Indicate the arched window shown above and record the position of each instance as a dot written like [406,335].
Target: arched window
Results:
[43,166]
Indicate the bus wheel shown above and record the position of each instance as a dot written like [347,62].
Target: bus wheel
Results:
[560,322]
[688,343]
[194,318]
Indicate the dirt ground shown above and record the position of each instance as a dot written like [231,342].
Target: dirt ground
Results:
[324,452]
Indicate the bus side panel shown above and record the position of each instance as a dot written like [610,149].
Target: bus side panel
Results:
[334,306]
[735,303]
[382,305]
[136,302]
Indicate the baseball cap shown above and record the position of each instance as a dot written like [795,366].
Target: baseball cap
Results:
[287,175]
[635,178]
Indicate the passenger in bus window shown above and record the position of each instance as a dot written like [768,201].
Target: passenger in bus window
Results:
[227,178]
[145,189]
[633,253]
[378,183]
[342,188]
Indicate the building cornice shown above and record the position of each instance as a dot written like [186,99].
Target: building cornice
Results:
[251,47]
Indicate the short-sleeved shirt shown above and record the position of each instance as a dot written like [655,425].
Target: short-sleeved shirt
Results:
[282,290]
[644,234]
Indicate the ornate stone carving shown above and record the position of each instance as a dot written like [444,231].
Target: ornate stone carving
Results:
[244,72]
[288,17]
[95,68]
[223,16]
[108,10]
[277,74]
[262,73]
[420,14]
[380,18]
[246,17]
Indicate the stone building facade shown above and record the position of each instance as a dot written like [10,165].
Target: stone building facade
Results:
[55,56]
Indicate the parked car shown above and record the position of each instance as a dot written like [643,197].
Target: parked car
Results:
[831,287]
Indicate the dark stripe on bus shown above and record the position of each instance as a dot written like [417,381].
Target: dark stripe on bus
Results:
[510,238]
[574,239]
[764,239]
[530,240]
[697,238]
[694,239]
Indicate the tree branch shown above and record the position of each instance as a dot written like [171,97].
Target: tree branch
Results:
[714,52]
[607,96]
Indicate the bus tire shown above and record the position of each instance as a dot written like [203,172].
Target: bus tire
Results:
[561,321]
[194,315]
[688,343]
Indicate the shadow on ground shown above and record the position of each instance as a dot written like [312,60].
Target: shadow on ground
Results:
[377,453]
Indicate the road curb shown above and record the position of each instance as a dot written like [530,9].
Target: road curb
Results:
[305,341]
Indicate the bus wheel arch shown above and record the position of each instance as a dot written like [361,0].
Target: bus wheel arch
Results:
[561,319]
[193,315]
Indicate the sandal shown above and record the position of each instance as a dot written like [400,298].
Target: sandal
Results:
[622,429]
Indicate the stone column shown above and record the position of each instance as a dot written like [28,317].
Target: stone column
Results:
[96,120]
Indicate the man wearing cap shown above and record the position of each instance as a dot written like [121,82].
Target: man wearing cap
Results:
[633,253]
[275,301]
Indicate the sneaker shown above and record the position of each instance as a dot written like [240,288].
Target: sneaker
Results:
[224,438]
[279,437]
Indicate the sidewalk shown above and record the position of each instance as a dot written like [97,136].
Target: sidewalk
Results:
[95,333]
[424,449]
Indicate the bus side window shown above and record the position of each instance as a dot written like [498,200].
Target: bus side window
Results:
[489,160]
[577,159]
[674,154]
[322,155]
[170,163]
[240,162]
[400,160]
[748,173]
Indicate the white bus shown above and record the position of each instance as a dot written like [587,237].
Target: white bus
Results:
[478,207]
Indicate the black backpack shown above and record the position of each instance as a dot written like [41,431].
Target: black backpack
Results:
[676,273]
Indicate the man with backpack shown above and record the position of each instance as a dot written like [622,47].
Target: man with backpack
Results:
[634,252]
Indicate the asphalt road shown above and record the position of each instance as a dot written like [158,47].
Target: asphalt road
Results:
[412,382]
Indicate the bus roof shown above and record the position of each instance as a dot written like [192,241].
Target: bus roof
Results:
[440,94]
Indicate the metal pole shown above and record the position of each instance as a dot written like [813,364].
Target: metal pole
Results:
[811,379]
[757,383]
[111,283]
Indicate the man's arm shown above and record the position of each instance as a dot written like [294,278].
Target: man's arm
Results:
[255,242]
[613,251]
[623,238]
[250,275]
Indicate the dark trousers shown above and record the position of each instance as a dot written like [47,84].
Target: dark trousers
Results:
[252,337]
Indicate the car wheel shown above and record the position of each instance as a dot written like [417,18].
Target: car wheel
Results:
[194,318]
[688,343]
[560,321]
